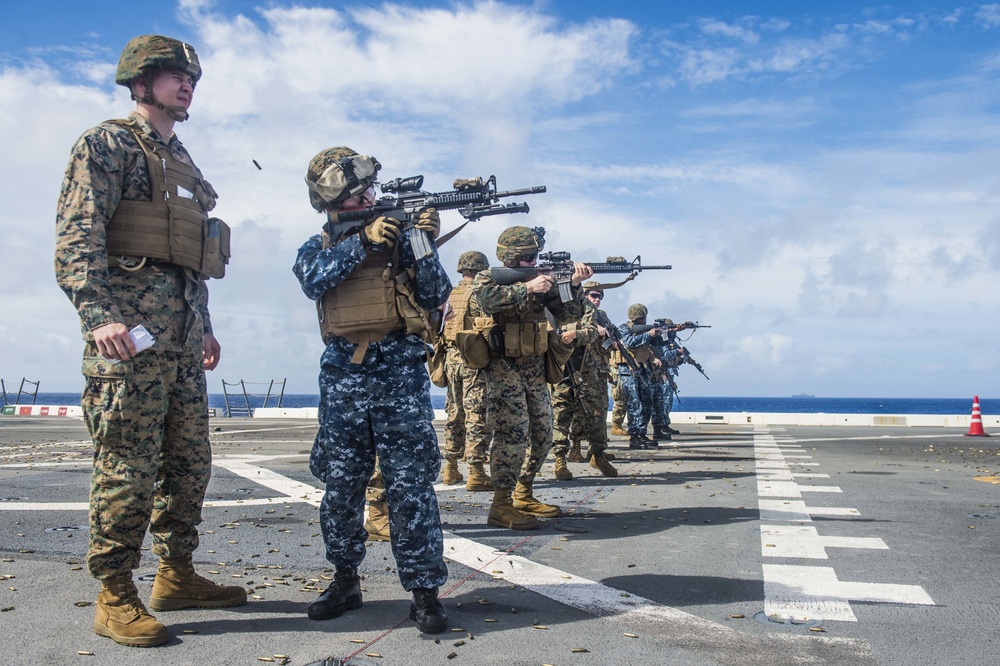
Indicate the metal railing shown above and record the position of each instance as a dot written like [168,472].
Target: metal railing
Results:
[242,402]
[21,393]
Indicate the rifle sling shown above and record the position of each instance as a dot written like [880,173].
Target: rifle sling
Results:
[613,285]
[451,234]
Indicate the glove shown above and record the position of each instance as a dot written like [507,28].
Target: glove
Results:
[383,232]
[430,222]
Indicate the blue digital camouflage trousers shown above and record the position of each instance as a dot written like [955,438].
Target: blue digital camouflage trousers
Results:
[639,398]
[663,402]
[148,418]
[381,409]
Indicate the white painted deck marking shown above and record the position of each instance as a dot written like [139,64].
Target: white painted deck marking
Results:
[797,511]
[805,542]
[809,592]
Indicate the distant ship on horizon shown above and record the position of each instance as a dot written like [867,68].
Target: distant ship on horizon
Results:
[803,395]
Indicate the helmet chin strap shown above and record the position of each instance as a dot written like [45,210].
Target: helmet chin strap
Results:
[176,113]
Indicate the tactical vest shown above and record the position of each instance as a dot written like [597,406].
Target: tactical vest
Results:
[174,226]
[524,334]
[459,299]
[641,354]
[376,298]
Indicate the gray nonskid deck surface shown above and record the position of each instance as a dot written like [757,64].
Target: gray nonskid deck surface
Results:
[863,545]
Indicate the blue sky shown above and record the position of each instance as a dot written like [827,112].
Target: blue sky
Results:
[822,176]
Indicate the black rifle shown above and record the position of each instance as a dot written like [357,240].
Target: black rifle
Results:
[559,265]
[665,369]
[664,326]
[691,361]
[614,337]
[474,198]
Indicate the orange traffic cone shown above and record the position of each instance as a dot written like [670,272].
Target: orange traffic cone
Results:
[976,427]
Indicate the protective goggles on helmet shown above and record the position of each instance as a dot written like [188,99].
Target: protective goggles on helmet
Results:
[346,177]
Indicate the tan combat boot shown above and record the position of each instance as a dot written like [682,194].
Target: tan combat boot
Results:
[599,461]
[575,455]
[177,586]
[451,476]
[377,524]
[121,616]
[479,480]
[616,429]
[525,502]
[562,472]
[503,513]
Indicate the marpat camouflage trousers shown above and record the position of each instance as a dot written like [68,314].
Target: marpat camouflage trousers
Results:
[148,418]
[519,413]
[466,434]
[580,413]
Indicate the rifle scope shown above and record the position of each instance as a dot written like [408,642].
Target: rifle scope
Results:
[411,184]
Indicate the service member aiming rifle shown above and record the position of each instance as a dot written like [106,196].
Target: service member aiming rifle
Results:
[560,265]
[474,198]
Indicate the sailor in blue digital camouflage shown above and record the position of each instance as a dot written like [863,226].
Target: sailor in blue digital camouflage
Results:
[510,321]
[128,183]
[466,435]
[373,298]
[580,401]
[638,387]
[663,384]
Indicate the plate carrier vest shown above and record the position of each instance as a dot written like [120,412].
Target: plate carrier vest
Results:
[376,298]
[459,299]
[172,227]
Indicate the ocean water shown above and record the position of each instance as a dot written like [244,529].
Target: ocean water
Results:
[795,405]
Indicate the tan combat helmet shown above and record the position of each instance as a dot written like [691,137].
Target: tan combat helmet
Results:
[593,286]
[637,311]
[516,242]
[473,261]
[339,173]
[144,55]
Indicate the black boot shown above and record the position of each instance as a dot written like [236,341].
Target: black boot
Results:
[427,611]
[660,435]
[636,442]
[343,594]
[672,431]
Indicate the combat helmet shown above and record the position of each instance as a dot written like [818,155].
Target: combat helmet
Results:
[516,242]
[473,261]
[668,323]
[339,173]
[637,311]
[591,285]
[147,53]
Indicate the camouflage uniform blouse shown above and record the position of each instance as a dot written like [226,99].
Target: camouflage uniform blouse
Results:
[108,165]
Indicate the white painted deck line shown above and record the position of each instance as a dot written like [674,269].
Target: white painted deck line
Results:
[767,488]
[804,541]
[580,593]
[808,592]
[797,511]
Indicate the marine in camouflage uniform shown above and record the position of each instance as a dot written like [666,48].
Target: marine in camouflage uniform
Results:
[638,390]
[148,413]
[466,435]
[580,405]
[374,390]
[519,410]
[619,410]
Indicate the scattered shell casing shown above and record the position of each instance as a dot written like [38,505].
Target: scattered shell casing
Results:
[631,635]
